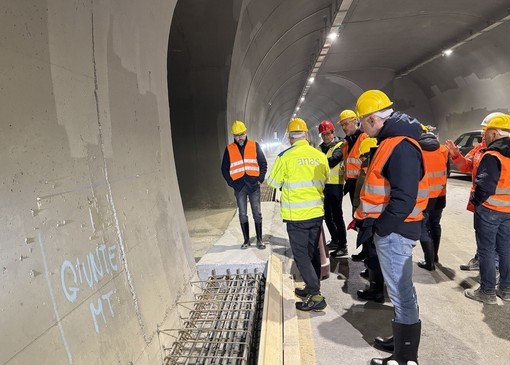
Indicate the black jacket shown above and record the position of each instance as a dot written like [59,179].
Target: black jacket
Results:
[429,142]
[489,172]
[337,155]
[252,182]
[404,170]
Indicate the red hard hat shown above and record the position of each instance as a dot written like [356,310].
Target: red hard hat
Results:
[326,126]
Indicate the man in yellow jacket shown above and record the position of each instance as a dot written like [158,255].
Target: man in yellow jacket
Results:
[301,172]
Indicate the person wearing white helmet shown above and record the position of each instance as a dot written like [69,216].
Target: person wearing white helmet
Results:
[491,200]
[469,164]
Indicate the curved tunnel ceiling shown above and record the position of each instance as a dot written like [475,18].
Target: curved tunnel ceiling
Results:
[277,44]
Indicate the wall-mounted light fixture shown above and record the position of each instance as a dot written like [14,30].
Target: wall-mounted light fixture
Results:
[447,51]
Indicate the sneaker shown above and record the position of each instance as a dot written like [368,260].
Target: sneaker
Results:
[261,245]
[303,293]
[472,265]
[364,274]
[332,245]
[340,252]
[312,303]
[245,245]
[481,296]
[503,294]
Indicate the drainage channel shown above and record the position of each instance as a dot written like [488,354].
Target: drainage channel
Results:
[223,324]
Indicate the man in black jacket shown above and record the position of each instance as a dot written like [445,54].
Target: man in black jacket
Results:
[244,168]
[392,200]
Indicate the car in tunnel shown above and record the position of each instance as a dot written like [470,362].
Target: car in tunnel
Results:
[466,142]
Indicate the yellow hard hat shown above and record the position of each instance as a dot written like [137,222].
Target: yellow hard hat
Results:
[489,117]
[346,114]
[372,101]
[499,122]
[297,125]
[238,127]
[366,145]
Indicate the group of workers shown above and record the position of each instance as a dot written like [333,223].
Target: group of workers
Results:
[395,173]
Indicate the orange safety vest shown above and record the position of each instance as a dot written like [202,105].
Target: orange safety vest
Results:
[435,164]
[500,200]
[352,160]
[375,193]
[239,166]
[476,158]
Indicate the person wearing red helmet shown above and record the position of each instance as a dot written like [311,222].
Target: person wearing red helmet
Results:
[331,146]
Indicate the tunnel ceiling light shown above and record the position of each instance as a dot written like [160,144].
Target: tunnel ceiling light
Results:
[333,36]
[298,108]
[302,99]
[325,42]
[294,114]
[470,36]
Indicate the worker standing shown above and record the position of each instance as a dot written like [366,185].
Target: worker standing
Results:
[469,164]
[348,120]
[244,168]
[491,200]
[391,204]
[301,172]
[331,146]
[435,157]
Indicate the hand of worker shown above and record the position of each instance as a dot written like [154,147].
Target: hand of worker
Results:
[452,147]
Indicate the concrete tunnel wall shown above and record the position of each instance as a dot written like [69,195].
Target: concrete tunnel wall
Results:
[94,246]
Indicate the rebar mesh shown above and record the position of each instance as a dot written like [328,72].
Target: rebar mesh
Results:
[267,193]
[223,323]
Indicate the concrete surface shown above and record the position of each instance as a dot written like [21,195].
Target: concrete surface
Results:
[455,330]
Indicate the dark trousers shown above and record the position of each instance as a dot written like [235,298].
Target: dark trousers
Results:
[304,242]
[350,188]
[434,223]
[333,214]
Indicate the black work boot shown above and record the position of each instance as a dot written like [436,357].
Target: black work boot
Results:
[245,227]
[361,255]
[428,252]
[258,231]
[385,343]
[376,290]
[407,340]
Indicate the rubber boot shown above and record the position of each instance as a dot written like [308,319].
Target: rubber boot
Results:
[258,231]
[376,290]
[428,252]
[385,343]
[437,241]
[407,341]
[245,227]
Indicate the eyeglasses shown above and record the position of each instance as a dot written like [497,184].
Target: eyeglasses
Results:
[239,135]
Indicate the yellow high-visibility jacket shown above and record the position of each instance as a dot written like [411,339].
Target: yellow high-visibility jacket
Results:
[301,172]
[336,174]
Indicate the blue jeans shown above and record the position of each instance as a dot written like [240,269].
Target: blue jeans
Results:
[395,256]
[242,203]
[492,239]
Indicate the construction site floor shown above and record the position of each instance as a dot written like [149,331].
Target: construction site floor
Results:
[455,330]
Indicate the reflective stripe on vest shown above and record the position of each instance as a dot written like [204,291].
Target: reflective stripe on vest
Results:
[352,160]
[336,174]
[436,164]
[248,166]
[301,173]
[500,200]
[375,193]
